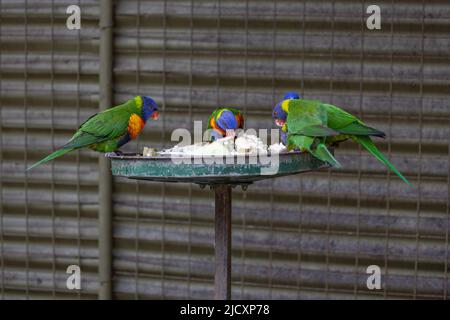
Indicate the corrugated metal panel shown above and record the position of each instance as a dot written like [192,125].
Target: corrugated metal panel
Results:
[311,236]
[48,84]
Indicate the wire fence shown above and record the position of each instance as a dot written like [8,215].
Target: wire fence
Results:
[306,236]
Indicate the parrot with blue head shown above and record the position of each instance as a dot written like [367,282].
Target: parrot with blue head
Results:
[225,121]
[280,116]
[110,129]
[310,125]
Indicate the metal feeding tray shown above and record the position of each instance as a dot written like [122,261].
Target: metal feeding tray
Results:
[221,173]
[211,170]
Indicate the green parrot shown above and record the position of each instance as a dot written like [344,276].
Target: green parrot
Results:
[312,126]
[110,129]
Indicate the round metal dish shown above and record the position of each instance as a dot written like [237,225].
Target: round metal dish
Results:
[212,170]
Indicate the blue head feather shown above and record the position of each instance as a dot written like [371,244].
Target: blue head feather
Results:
[149,106]
[291,95]
[227,120]
[279,113]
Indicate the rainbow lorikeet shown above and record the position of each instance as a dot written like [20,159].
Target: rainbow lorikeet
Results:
[312,126]
[224,121]
[110,129]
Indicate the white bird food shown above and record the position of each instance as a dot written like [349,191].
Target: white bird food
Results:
[242,145]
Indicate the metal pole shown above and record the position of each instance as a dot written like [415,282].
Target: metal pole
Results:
[222,278]
[105,178]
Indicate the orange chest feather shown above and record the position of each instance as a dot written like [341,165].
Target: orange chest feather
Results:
[135,125]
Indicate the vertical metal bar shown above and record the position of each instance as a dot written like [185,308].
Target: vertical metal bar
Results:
[77,155]
[358,200]
[447,229]
[52,132]
[190,125]
[329,212]
[2,249]
[244,193]
[300,192]
[223,204]
[246,60]
[218,55]
[163,142]
[105,178]
[222,277]
[388,189]
[272,188]
[25,152]
[419,174]
[138,211]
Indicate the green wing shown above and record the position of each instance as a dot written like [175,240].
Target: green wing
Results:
[105,125]
[307,117]
[313,118]
[101,127]
[346,123]
[360,130]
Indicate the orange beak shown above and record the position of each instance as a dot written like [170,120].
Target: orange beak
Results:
[155,115]
[279,122]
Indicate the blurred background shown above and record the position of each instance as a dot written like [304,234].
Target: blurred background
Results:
[307,236]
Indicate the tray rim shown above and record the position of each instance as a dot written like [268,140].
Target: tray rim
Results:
[138,156]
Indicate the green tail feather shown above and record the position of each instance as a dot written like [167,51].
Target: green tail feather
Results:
[325,155]
[51,156]
[367,143]
[359,129]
